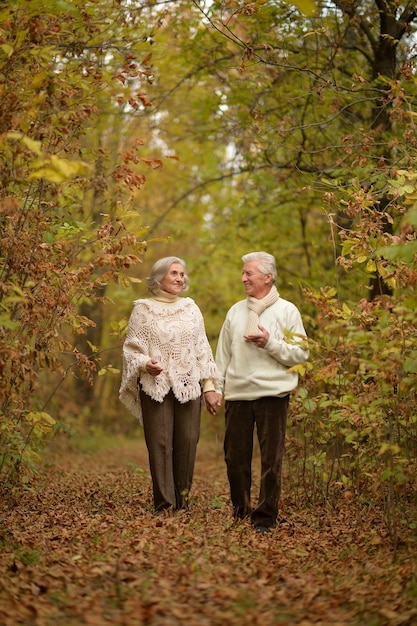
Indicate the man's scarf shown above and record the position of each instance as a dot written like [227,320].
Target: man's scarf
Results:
[256,307]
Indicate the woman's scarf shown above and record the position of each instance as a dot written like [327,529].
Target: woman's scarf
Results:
[164,296]
[256,307]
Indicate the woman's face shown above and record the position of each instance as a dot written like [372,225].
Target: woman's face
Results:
[173,281]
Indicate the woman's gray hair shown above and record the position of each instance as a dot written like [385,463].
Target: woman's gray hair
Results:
[266,263]
[160,270]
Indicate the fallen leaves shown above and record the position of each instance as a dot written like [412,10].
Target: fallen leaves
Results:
[85,548]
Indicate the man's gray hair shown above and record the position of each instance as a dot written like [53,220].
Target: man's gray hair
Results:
[266,263]
[160,270]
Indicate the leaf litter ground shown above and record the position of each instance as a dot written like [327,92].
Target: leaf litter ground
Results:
[83,547]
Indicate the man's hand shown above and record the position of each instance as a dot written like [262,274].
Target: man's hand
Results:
[260,340]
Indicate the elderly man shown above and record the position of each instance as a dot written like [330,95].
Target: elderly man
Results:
[261,339]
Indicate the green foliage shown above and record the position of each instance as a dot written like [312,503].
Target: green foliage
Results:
[29,557]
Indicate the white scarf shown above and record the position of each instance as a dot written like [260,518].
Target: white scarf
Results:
[256,307]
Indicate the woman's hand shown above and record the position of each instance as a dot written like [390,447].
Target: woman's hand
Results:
[153,367]
[212,400]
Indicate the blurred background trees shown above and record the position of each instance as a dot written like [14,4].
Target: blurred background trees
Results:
[130,131]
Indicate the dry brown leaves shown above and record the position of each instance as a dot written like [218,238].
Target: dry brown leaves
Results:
[85,548]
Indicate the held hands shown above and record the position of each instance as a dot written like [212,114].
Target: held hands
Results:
[153,367]
[260,340]
[212,400]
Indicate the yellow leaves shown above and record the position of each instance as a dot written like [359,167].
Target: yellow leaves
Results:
[301,368]
[363,252]
[57,170]
[404,184]
[347,310]
[108,369]
[41,423]
[360,259]
[371,266]
[119,328]
[32,144]
[38,80]
[8,50]
[389,448]
[50,167]
[308,7]
[329,293]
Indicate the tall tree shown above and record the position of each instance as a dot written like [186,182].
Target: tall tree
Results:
[279,109]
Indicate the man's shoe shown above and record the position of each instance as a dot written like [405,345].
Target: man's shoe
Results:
[262,529]
[240,513]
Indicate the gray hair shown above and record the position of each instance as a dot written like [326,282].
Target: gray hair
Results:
[266,263]
[160,270]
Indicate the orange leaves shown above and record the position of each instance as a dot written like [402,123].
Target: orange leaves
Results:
[135,101]
[144,99]
[153,163]
[86,366]
[133,72]
[126,174]
[129,177]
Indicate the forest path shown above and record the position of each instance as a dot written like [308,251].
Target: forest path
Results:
[83,547]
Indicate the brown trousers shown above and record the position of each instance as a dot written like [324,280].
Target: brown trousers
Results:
[171,432]
[269,415]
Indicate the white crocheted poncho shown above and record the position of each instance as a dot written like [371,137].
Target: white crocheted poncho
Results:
[174,334]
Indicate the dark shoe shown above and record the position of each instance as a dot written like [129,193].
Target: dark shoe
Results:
[241,513]
[262,529]
[165,511]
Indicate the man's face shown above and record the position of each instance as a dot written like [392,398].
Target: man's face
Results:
[256,284]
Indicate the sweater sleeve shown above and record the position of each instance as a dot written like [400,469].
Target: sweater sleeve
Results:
[223,354]
[135,348]
[291,347]
[135,357]
[205,358]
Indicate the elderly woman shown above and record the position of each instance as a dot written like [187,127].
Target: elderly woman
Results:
[167,363]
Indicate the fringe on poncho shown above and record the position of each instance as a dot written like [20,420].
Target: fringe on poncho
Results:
[174,334]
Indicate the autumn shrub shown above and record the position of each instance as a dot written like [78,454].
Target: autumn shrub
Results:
[63,208]
[51,261]
[356,409]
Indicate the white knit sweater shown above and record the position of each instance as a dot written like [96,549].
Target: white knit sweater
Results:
[249,372]
[174,334]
